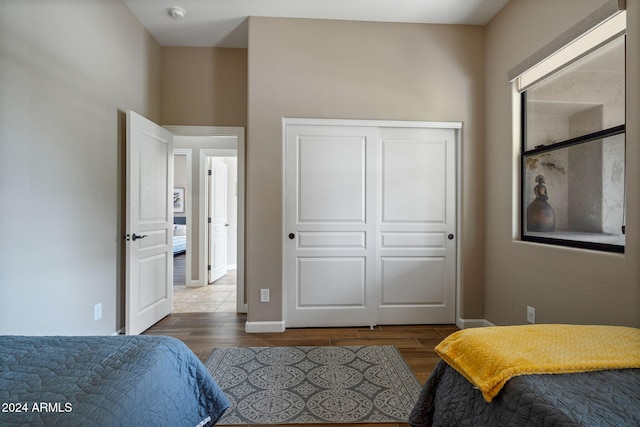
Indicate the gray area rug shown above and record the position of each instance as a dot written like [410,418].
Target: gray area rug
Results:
[307,385]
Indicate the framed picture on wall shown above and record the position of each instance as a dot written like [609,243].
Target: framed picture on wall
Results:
[178,200]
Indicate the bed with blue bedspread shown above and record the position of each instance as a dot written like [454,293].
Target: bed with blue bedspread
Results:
[105,381]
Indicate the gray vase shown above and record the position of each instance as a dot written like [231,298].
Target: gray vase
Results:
[540,215]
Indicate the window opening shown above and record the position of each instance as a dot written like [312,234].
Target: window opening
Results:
[573,153]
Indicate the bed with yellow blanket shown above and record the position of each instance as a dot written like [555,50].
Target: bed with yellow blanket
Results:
[534,375]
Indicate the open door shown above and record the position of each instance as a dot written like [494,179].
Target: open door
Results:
[149,218]
[217,220]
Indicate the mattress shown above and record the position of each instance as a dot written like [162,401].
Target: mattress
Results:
[179,244]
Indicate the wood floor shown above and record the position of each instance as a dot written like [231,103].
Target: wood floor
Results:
[201,332]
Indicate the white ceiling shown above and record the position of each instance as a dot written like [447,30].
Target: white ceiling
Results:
[223,23]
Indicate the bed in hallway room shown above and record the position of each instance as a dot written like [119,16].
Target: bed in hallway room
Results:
[179,235]
[105,381]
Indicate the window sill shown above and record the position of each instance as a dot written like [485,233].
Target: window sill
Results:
[594,241]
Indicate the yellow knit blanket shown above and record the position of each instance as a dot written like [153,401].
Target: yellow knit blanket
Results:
[489,357]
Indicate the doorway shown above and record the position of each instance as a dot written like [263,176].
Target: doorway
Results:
[199,144]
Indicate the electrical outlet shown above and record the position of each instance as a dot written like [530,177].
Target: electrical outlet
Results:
[97,312]
[264,295]
[531,314]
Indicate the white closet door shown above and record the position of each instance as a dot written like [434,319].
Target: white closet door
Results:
[330,226]
[370,225]
[416,228]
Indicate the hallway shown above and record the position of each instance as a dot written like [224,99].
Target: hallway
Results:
[218,297]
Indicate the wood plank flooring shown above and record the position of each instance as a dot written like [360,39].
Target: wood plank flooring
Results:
[201,332]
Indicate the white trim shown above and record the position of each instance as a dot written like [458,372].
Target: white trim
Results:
[600,34]
[264,327]
[605,12]
[206,131]
[371,123]
[472,323]
[458,237]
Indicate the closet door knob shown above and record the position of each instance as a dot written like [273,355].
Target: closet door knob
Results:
[292,236]
[450,236]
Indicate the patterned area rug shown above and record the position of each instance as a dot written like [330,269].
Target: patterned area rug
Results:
[306,385]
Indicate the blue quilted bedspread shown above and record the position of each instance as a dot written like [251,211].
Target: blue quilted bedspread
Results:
[105,381]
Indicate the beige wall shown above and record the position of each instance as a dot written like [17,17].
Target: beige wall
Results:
[204,86]
[67,70]
[564,285]
[358,70]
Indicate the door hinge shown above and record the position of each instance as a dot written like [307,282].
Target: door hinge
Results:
[209,267]
[209,220]
[209,172]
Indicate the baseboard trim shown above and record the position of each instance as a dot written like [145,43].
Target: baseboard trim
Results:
[196,284]
[264,327]
[278,326]
[473,323]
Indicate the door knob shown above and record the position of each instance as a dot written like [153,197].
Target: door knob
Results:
[292,236]
[135,236]
[450,236]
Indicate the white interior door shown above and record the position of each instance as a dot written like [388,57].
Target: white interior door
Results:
[218,223]
[149,218]
[370,225]
[330,226]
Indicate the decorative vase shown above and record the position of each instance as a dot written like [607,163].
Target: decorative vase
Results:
[540,215]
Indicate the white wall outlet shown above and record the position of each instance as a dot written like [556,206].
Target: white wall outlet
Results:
[531,314]
[97,312]
[264,295]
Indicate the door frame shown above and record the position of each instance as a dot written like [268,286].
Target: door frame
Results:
[456,126]
[239,134]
